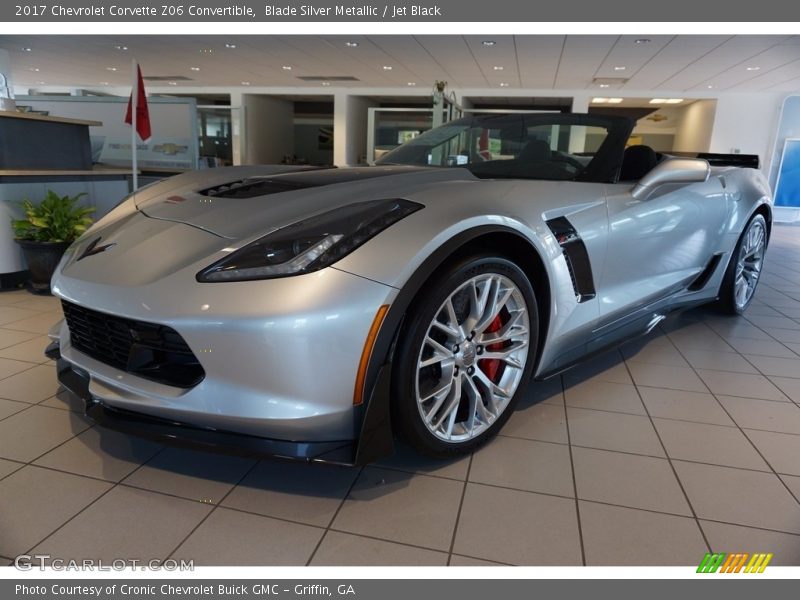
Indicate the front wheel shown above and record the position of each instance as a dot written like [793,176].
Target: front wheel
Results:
[465,356]
[741,278]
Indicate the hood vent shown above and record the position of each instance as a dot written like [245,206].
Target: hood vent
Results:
[250,188]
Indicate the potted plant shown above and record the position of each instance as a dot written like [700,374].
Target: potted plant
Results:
[47,231]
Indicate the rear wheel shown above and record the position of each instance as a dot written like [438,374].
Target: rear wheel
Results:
[744,269]
[465,356]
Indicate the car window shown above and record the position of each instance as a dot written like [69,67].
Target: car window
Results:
[518,146]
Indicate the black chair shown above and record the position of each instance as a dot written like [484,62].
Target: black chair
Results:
[637,162]
[535,151]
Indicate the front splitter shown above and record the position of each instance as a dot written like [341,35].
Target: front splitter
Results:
[175,433]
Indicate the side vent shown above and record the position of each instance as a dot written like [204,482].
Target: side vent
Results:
[576,256]
[701,280]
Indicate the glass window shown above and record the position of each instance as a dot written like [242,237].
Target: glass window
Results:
[519,146]
[215,132]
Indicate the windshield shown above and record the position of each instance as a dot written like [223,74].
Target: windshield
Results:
[538,146]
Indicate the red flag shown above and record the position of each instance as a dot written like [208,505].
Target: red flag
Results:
[142,112]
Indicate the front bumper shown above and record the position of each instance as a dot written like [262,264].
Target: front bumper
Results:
[180,434]
[280,357]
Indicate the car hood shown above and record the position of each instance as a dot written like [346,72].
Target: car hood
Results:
[241,202]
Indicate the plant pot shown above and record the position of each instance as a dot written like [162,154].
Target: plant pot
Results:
[42,259]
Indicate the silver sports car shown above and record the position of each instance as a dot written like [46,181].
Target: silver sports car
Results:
[316,313]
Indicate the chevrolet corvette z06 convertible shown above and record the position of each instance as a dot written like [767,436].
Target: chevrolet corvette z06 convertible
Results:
[317,313]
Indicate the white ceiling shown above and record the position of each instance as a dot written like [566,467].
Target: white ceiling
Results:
[675,63]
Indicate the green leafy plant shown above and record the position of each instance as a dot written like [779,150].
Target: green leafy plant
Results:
[54,219]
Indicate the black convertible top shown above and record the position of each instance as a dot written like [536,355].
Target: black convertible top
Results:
[602,165]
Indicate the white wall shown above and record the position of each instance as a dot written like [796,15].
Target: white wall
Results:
[269,126]
[237,127]
[693,133]
[746,123]
[350,128]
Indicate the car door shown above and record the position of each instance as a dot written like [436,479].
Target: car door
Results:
[659,244]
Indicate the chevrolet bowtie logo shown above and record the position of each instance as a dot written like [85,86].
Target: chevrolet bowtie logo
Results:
[93,248]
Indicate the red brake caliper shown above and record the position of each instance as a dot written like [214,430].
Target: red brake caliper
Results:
[491,366]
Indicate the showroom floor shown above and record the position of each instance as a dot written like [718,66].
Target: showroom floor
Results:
[685,442]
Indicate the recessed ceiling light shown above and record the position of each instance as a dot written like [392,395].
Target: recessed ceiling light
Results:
[194,68]
[489,43]
[620,68]
[387,67]
[26,49]
[615,100]
[34,69]
[326,83]
[172,82]
[674,100]
[599,100]
[286,68]
[642,41]
[230,46]
[604,85]
[497,68]
[245,83]
[658,101]
[504,85]
[111,68]
[351,44]
[122,48]
[206,50]
[411,84]
[103,83]
[711,87]
[753,68]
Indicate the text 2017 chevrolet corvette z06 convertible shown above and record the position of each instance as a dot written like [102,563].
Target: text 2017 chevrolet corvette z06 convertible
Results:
[316,312]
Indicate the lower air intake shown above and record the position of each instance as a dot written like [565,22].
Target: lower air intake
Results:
[148,350]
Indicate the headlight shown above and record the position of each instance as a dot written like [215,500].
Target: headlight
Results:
[311,244]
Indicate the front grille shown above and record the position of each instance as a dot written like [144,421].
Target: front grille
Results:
[148,350]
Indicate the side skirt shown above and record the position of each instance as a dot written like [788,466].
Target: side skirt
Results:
[629,329]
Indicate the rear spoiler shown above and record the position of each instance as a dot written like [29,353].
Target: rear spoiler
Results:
[750,161]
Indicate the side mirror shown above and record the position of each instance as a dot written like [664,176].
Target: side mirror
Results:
[674,172]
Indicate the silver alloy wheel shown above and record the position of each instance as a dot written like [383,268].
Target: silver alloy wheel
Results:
[748,265]
[472,357]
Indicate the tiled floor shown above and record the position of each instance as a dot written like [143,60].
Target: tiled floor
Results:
[685,442]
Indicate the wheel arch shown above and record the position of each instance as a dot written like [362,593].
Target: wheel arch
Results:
[376,434]
[764,210]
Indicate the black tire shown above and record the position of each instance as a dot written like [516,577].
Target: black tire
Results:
[406,412]
[726,303]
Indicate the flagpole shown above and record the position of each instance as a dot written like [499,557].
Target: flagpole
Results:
[134,101]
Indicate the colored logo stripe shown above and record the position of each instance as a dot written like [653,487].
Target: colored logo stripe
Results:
[758,563]
[734,563]
[711,562]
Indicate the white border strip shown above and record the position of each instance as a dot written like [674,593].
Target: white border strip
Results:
[302,574]
[383,28]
